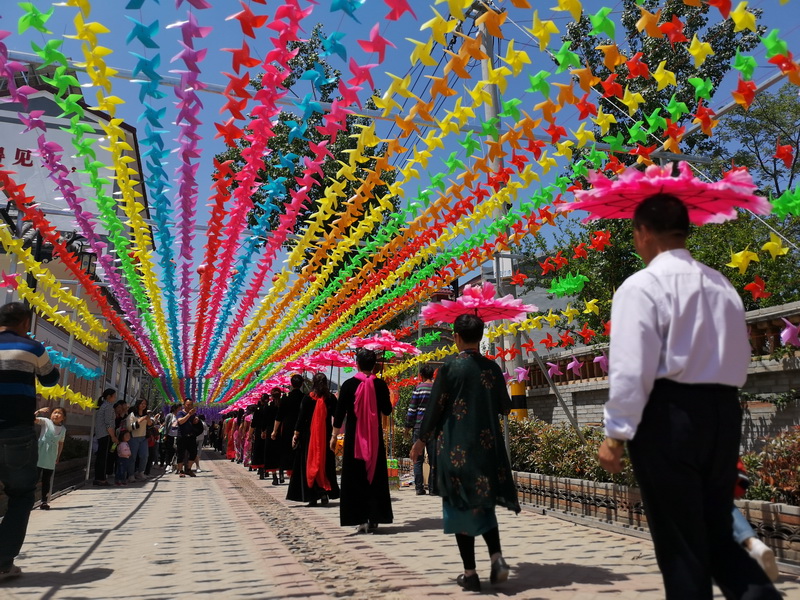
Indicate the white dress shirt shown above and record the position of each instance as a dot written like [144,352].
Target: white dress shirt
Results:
[677,319]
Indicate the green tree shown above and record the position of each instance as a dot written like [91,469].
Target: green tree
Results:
[311,74]
[750,138]
[712,244]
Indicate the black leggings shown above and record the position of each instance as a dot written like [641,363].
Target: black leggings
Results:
[103,459]
[466,546]
[46,476]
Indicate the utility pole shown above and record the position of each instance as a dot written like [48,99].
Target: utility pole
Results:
[491,112]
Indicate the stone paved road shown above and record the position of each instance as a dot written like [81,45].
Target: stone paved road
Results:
[225,534]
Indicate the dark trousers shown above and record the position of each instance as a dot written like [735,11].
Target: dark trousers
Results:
[466,546]
[46,476]
[684,457]
[102,460]
[19,452]
[169,448]
[430,450]
[187,448]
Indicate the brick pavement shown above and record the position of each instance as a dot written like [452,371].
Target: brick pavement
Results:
[225,534]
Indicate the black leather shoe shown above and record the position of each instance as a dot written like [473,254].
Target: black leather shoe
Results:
[470,584]
[499,571]
[421,492]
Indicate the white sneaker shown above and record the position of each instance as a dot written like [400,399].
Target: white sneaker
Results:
[198,470]
[168,469]
[363,528]
[131,479]
[765,557]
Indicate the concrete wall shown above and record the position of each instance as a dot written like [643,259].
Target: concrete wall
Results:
[585,399]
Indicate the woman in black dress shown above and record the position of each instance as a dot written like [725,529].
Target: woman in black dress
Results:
[365,481]
[286,419]
[314,473]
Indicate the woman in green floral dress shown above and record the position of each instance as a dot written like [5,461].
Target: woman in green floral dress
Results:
[474,472]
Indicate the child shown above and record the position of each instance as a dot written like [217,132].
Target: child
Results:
[123,457]
[51,443]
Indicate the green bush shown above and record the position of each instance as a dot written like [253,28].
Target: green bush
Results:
[74,448]
[775,471]
[539,447]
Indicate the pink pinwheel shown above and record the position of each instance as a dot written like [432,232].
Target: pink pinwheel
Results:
[602,360]
[332,358]
[789,334]
[522,373]
[386,342]
[478,300]
[508,377]
[553,369]
[575,365]
[707,202]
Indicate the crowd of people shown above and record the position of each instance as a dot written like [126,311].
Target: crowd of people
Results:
[295,436]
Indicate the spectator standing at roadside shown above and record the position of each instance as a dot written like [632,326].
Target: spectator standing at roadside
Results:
[22,362]
[416,413]
[137,422]
[170,435]
[188,423]
[201,437]
[105,433]
[679,351]
[51,442]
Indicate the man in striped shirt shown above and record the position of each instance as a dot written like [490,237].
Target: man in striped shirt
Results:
[22,361]
[416,412]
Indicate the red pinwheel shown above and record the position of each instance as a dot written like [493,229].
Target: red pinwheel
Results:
[529,346]
[580,251]
[519,278]
[586,333]
[480,301]
[566,339]
[600,239]
[547,266]
[784,153]
[707,202]
[559,260]
[758,288]
[548,342]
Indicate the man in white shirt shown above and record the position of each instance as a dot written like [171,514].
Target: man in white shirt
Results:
[679,351]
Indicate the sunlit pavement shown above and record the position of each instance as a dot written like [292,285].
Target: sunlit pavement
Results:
[225,534]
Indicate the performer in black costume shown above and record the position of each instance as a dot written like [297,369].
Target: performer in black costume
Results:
[314,474]
[365,500]
[283,430]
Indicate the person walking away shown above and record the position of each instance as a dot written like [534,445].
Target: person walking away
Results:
[137,422]
[105,434]
[679,351]
[416,412]
[201,438]
[124,457]
[365,500]
[743,533]
[171,435]
[22,362]
[51,442]
[187,420]
[285,421]
[314,474]
[230,442]
[152,447]
[473,470]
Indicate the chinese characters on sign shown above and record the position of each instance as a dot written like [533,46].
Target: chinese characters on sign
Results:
[22,157]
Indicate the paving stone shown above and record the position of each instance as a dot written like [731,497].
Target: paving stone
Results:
[225,534]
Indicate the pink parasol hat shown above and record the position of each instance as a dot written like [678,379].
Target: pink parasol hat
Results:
[480,301]
[384,341]
[707,202]
[332,358]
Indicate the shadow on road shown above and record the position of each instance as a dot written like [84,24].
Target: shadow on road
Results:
[530,576]
[56,578]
